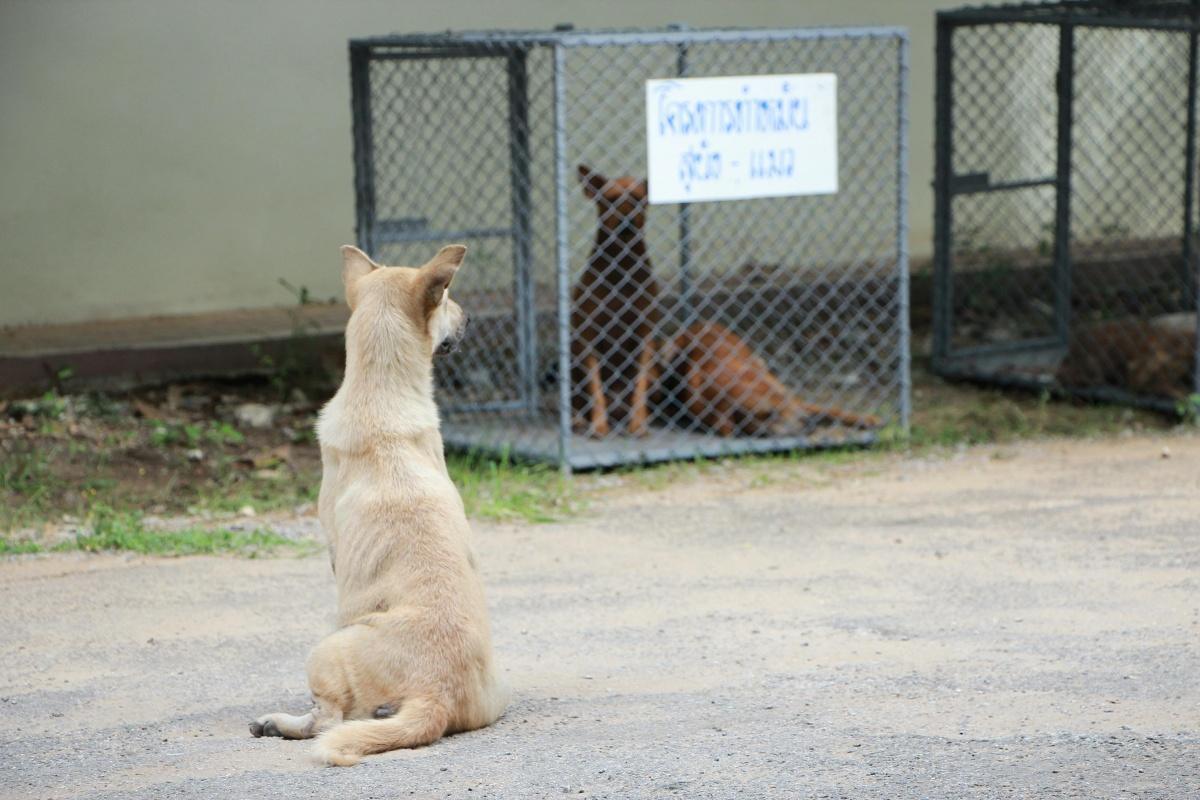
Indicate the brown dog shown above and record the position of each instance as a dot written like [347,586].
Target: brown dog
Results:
[614,313]
[712,375]
[1155,357]
[705,372]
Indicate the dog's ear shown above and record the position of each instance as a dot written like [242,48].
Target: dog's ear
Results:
[593,182]
[439,271]
[355,265]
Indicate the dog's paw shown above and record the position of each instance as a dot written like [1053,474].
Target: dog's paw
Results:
[264,727]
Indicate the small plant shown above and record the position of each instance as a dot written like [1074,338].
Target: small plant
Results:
[175,433]
[187,434]
[301,293]
[1189,409]
[11,547]
[222,433]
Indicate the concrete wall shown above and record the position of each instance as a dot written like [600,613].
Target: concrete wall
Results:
[163,156]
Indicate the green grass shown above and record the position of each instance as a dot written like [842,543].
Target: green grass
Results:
[41,479]
[262,494]
[124,531]
[10,547]
[501,489]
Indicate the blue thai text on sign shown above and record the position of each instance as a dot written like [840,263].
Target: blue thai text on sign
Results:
[732,138]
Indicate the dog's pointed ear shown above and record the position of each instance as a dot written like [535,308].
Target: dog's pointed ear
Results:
[440,271]
[593,182]
[355,265]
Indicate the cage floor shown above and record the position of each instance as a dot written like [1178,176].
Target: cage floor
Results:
[538,440]
[1036,369]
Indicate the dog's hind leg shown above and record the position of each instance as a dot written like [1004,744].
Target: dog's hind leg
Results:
[304,726]
[288,726]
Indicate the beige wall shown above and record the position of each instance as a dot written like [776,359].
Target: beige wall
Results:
[162,156]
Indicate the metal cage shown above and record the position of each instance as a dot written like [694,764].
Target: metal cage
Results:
[480,138]
[1065,196]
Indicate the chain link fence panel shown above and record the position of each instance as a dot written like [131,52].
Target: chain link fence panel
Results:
[606,330]
[1065,230]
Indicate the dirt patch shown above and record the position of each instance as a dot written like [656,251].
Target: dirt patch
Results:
[216,448]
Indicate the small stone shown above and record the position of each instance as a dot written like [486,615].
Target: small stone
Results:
[254,415]
[1166,452]
[195,454]
[247,511]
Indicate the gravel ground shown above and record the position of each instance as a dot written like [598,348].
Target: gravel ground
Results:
[1005,623]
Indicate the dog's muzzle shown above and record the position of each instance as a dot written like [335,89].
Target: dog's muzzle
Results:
[452,342]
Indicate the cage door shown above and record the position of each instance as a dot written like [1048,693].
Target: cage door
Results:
[442,154]
[1002,186]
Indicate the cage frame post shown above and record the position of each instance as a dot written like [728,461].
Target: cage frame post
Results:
[522,225]
[1191,259]
[902,278]
[943,279]
[363,136]
[1065,88]
[686,290]
[562,259]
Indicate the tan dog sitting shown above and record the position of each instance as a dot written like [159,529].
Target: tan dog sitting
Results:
[411,660]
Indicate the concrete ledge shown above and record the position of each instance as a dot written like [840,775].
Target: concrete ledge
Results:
[118,354]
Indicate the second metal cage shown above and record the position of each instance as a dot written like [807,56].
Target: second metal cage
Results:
[1066,187]
[486,139]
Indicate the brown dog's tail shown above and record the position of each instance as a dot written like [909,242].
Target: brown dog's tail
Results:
[848,418]
[420,721]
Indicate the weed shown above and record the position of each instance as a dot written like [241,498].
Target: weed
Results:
[301,293]
[222,433]
[1189,409]
[125,531]
[186,434]
[502,489]
[166,434]
[12,547]
[237,492]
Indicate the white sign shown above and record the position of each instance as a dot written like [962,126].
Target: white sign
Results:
[737,137]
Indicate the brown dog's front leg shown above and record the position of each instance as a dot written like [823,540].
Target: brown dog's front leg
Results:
[640,412]
[599,414]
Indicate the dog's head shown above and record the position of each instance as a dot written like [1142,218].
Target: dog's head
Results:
[620,202]
[407,304]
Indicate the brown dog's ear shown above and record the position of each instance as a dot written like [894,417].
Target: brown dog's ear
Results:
[355,265]
[439,271]
[593,182]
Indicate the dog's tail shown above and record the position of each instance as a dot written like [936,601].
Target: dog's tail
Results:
[420,721]
[821,413]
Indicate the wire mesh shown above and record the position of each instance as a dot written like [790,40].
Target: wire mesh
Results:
[606,330]
[1066,256]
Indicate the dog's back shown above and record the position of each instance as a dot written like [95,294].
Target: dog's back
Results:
[1155,357]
